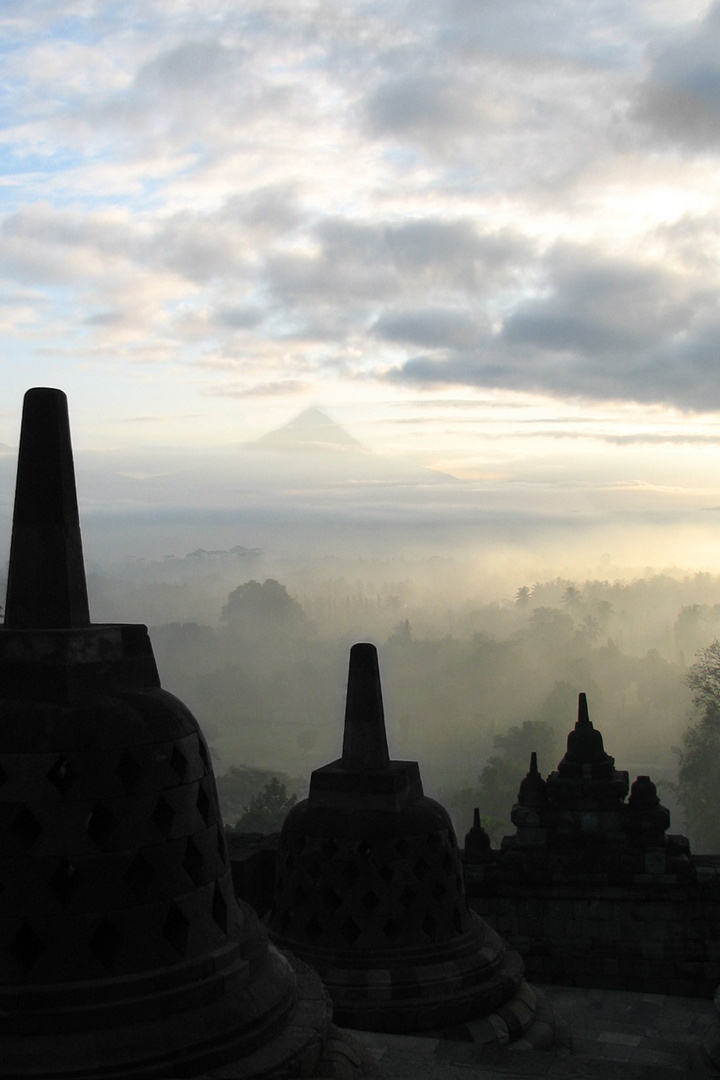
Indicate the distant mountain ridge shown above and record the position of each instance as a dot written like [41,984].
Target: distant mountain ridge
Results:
[312,429]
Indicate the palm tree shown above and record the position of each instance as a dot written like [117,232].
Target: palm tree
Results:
[604,610]
[591,627]
[571,598]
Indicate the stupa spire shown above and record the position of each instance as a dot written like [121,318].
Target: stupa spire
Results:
[370,892]
[123,952]
[583,714]
[364,740]
[46,575]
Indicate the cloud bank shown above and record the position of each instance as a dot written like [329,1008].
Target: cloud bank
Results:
[272,200]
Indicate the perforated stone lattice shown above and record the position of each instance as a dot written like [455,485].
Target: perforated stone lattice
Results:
[382,894]
[113,939]
[62,775]
[141,832]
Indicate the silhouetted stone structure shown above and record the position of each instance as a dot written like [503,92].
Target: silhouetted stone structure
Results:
[577,823]
[592,889]
[477,842]
[123,952]
[370,891]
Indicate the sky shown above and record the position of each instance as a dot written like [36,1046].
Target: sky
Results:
[483,236]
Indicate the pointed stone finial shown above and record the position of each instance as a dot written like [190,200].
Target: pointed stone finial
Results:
[46,574]
[532,787]
[364,742]
[476,818]
[583,714]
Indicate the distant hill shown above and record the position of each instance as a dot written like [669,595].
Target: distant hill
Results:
[311,430]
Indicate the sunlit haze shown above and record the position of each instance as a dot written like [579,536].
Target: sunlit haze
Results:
[481,237]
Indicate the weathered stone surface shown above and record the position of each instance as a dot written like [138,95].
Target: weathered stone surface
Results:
[576,825]
[370,889]
[46,577]
[123,951]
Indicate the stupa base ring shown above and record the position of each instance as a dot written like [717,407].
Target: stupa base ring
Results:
[405,996]
[287,1030]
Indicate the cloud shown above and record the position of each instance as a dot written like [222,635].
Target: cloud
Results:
[601,330]
[679,100]
[281,388]
[356,262]
[463,194]
[441,329]
[435,110]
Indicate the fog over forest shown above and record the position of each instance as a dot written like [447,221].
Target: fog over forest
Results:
[259,652]
[489,620]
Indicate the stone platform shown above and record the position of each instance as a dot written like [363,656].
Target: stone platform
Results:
[598,1034]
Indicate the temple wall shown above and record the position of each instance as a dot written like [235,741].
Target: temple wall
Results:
[658,937]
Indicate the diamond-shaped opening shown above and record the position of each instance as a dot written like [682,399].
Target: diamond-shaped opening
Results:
[105,942]
[176,929]
[178,763]
[457,921]
[128,771]
[438,891]
[25,827]
[3,776]
[363,849]
[407,898]
[139,876]
[26,948]
[350,931]
[401,846]
[163,816]
[285,922]
[62,775]
[65,880]
[370,900]
[420,869]
[204,754]
[193,862]
[429,925]
[221,844]
[203,804]
[350,874]
[313,928]
[329,848]
[331,899]
[387,873]
[392,929]
[220,909]
[290,860]
[101,824]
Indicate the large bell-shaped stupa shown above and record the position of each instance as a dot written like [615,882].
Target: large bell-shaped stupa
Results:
[123,951]
[370,890]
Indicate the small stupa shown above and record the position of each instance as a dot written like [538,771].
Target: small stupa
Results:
[576,823]
[123,951]
[586,790]
[370,889]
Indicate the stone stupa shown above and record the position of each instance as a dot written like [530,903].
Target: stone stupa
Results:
[370,891]
[123,951]
[576,825]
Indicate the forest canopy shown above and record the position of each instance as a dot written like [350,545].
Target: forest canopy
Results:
[470,687]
